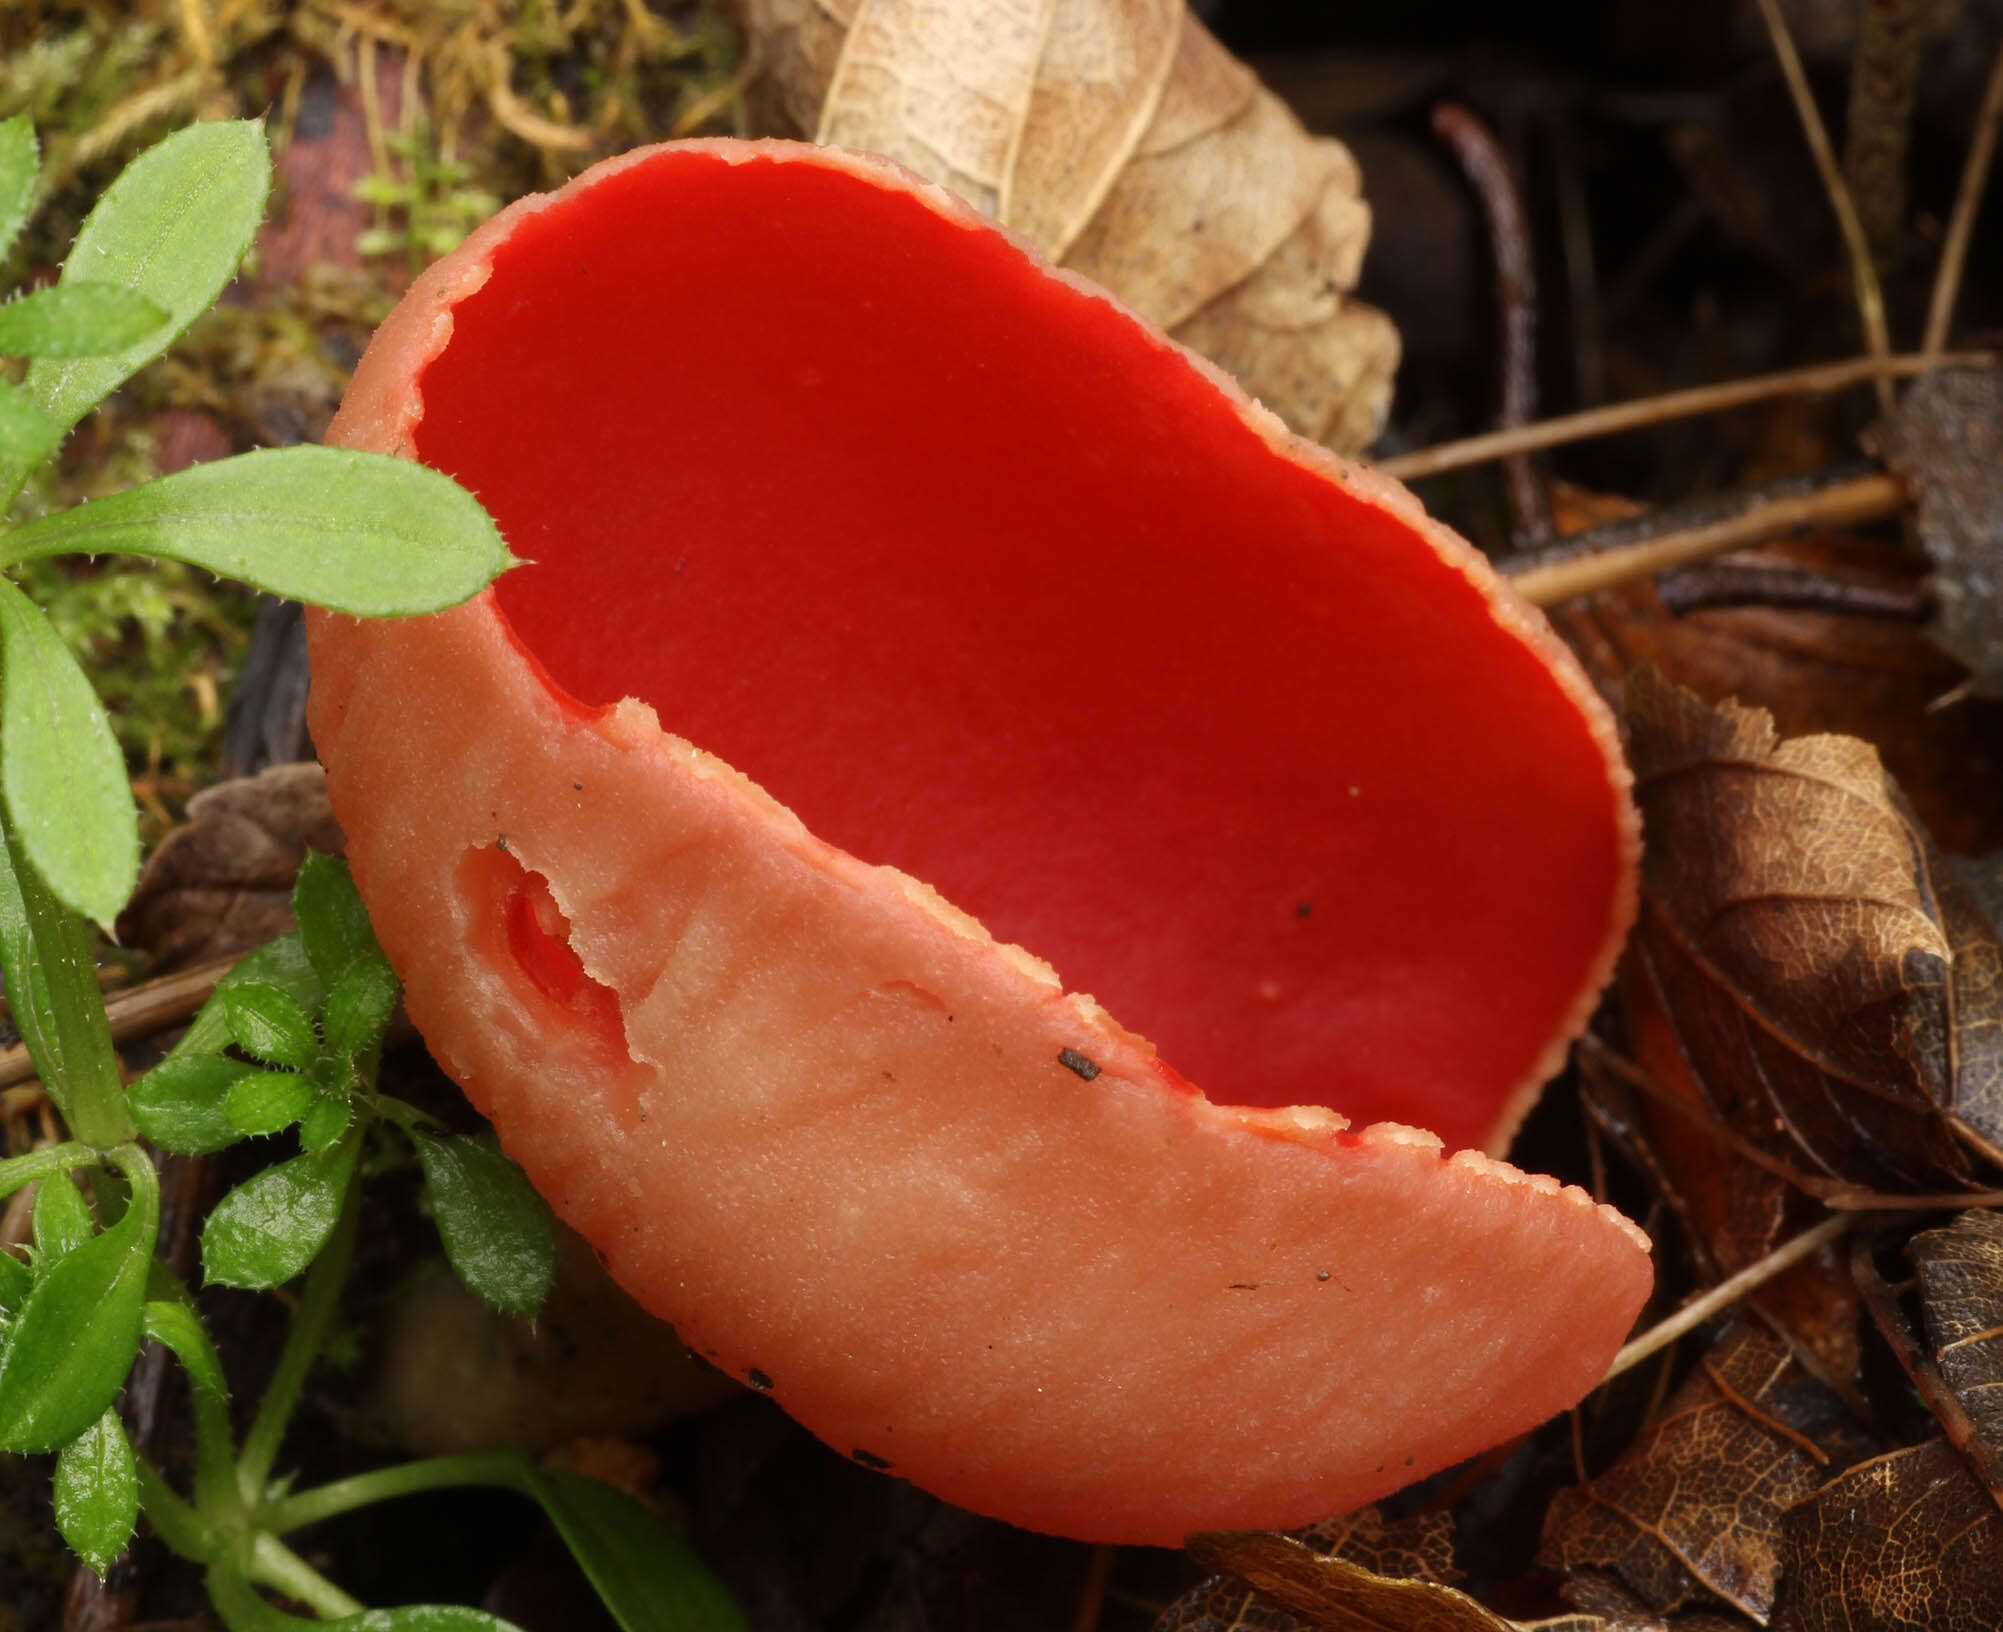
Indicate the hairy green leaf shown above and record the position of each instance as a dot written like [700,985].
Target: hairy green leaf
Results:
[267,1021]
[497,1230]
[327,1119]
[244,1609]
[62,1220]
[270,1227]
[61,769]
[182,1103]
[176,1326]
[76,320]
[27,435]
[281,963]
[333,924]
[267,1102]
[20,165]
[68,1350]
[360,1005]
[360,532]
[171,228]
[97,1493]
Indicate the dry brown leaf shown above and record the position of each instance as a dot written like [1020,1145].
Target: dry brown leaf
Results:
[1420,1547]
[1123,142]
[1961,1296]
[1946,438]
[222,882]
[1339,1596]
[1810,947]
[1694,1506]
[1907,1542]
[1814,672]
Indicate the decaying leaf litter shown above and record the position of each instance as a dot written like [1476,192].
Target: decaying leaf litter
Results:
[1809,1017]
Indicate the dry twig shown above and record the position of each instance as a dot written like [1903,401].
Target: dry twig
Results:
[1863,274]
[1606,556]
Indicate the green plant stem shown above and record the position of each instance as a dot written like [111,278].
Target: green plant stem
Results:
[16,1171]
[317,1307]
[498,1468]
[175,1520]
[277,1565]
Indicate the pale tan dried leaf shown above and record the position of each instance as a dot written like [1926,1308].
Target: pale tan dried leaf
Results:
[942,87]
[1180,228]
[794,46]
[1097,91]
[1122,141]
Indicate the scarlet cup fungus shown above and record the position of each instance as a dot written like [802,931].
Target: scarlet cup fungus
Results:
[863,541]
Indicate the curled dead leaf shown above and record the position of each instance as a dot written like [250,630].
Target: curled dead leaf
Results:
[1333,1593]
[1946,438]
[1825,972]
[1693,1508]
[1123,142]
[1961,1297]
[1815,671]
[222,882]
[1906,1542]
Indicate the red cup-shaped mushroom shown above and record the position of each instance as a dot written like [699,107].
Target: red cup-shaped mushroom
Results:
[903,613]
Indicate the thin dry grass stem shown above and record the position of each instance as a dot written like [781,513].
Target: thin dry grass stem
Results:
[1728,1292]
[1813,380]
[1867,498]
[195,30]
[149,1007]
[1876,1201]
[1863,273]
[1967,202]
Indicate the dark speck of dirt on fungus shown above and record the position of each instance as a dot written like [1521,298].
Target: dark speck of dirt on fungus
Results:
[869,1459]
[759,1380]
[1072,1060]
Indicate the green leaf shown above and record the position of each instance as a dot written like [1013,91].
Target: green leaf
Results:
[360,1005]
[243,1609]
[281,963]
[15,1279]
[333,924]
[62,1218]
[359,532]
[646,1575]
[329,1118]
[20,164]
[176,1326]
[48,958]
[171,228]
[270,1227]
[267,1102]
[61,768]
[267,1021]
[182,1104]
[27,435]
[67,1353]
[497,1230]
[76,320]
[97,1493]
